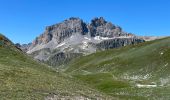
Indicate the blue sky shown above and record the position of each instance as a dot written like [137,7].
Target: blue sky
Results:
[23,20]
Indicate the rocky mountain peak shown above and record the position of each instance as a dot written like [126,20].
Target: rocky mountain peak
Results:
[73,37]
[98,21]
[100,27]
[73,18]
[59,32]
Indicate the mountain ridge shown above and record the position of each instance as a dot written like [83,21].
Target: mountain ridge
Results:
[73,37]
[71,26]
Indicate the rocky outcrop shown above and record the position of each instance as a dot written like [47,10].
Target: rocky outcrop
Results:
[118,42]
[100,27]
[62,58]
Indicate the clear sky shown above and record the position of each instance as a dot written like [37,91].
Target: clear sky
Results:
[23,20]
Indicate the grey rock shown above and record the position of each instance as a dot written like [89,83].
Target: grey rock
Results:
[61,31]
[119,42]
[62,58]
[100,27]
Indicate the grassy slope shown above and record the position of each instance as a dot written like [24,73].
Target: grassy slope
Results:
[22,78]
[118,71]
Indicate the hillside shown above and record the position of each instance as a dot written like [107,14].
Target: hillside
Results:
[132,72]
[22,78]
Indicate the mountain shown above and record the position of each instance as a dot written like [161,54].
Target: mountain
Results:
[22,78]
[136,72]
[73,38]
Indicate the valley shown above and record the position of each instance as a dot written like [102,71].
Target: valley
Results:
[73,60]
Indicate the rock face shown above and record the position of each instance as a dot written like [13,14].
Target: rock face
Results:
[62,58]
[100,27]
[61,31]
[73,37]
[115,43]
